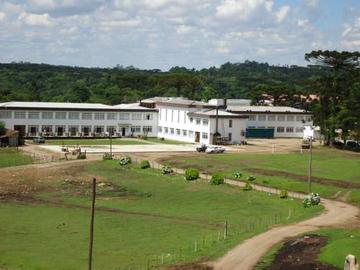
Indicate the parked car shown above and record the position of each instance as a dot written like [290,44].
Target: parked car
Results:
[39,139]
[201,148]
[214,149]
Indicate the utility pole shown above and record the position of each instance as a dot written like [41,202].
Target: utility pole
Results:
[92,223]
[310,165]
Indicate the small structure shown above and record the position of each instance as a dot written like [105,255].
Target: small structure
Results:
[10,138]
[351,263]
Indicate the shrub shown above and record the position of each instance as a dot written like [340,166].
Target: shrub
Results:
[191,174]
[265,182]
[166,170]
[217,179]
[144,164]
[251,178]
[124,161]
[162,139]
[311,200]
[81,155]
[284,194]
[107,156]
[238,175]
[248,186]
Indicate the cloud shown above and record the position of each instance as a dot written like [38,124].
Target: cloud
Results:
[36,19]
[282,13]
[2,16]
[351,35]
[312,3]
[243,9]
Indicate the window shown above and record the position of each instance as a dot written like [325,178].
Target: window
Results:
[73,130]
[148,116]
[184,132]
[308,118]
[111,130]
[136,116]
[281,118]
[178,116]
[230,123]
[230,136]
[205,122]
[60,115]
[99,116]
[86,116]
[191,119]
[280,129]
[99,129]
[124,116]
[111,116]
[172,115]
[73,115]
[46,129]
[271,128]
[299,118]
[166,130]
[271,118]
[262,117]
[198,121]
[5,114]
[33,115]
[147,129]
[47,115]
[204,135]
[252,117]
[136,129]
[289,129]
[191,133]
[86,130]
[20,115]
[290,118]
[160,129]
[33,130]
[171,131]
[178,132]
[299,129]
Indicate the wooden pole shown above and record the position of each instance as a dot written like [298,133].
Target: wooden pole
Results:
[92,223]
[310,166]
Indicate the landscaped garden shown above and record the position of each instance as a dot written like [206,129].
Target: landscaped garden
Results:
[144,218]
[12,157]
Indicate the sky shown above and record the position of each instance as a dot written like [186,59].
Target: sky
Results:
[160,34]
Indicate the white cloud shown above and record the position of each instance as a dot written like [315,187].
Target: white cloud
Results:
[282,13]
[351,35]
[312,3]
[184,29]
[242,9]
[2,16]
[36,19]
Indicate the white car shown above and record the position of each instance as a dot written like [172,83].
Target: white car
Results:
[214,149]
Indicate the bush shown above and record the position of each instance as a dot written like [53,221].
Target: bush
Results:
[265,182]
[217,179]
[284,194]
[191,174]
[144,164]
[81,155]
[166,170]
[124,161]
[142,137]
[248,186]
[107,156]
[238,175]
[162,139]
[251,178]
[311,200]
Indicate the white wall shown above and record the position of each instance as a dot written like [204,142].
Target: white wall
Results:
[290,121]
[237,130]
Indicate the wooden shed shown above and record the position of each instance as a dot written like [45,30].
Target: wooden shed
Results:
[10,138]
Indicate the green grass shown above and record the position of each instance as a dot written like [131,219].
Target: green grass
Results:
[146,216]
[268,258]
[165,141]
[94,142]
[334,165]
[12,157]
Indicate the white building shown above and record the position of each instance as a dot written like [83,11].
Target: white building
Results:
[78,119]
[172,118]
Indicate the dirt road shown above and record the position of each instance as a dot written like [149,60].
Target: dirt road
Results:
[247,254]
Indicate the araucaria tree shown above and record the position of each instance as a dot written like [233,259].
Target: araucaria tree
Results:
[338,108]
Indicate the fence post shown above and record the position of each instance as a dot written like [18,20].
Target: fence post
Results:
[226,229]
[92,223]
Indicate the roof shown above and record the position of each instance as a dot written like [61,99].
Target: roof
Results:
[265,109]
[132,106]
[10,133]
[178,101]
[56,105]
[212,114]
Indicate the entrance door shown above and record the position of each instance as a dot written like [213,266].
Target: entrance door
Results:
[60,131]
[197,136]
[123,132]
[22,131]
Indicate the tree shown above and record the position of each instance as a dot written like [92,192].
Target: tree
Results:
[78,93]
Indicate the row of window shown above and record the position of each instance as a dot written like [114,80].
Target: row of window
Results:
[290,118]
[181,132]
[76,115]
[86,130]
[285,129]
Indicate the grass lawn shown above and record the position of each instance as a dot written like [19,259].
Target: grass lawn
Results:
[143,218]
[116,141]
[165,141]
[285,170]
[12,157]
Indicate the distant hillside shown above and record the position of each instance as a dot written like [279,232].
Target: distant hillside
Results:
[42,82]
